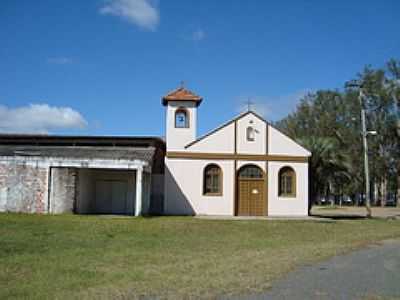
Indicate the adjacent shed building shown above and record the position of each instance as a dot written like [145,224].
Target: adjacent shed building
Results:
[100,175]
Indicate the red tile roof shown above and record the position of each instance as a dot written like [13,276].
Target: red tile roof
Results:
[181,94]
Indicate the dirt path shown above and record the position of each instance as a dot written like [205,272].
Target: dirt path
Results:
[351,211]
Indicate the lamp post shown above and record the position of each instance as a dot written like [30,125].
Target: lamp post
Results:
[364,133]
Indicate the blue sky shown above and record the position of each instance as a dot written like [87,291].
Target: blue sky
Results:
[101,67]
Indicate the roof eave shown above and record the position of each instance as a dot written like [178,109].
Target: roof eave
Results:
[166,100]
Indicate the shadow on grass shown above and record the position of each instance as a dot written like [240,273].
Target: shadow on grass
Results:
[339,217]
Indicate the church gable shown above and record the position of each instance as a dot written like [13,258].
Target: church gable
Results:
[251,134]
[281,144]
[221,140]
[254,136]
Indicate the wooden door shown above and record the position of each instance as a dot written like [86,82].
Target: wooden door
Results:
[251,192]
[243,198]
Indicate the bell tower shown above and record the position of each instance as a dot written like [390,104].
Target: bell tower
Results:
[181,118]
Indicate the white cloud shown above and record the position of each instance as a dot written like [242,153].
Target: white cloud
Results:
[39,118]
[59,60]
[273,108]
[142,13]
[198,35]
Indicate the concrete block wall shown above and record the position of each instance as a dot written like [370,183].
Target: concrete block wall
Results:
[23,188]
[63,190]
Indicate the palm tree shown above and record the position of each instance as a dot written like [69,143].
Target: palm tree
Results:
[328,166]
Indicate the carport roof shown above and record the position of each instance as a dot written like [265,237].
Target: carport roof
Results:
[80,140]
[110,153]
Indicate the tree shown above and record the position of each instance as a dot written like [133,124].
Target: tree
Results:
[393,86]
[328,167]
[328,123]
[380,117]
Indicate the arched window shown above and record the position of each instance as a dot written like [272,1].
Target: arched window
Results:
[212,180]
[287,182]
[250,134]
[181,118]
[250,172]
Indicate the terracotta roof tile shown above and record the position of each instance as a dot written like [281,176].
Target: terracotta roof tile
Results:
[181,94]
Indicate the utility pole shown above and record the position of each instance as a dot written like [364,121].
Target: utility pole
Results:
[364,134]
[366,162]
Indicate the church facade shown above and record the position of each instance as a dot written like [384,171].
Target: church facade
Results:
[245,167]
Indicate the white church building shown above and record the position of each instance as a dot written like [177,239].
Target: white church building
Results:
[245,167]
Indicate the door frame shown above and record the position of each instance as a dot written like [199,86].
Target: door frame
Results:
[237,191]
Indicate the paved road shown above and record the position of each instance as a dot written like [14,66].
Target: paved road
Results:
[365,274]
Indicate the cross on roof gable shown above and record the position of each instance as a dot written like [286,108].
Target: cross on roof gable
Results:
[181,94]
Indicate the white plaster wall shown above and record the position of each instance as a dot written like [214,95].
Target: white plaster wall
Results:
[221,141]
[241,163]
[280,144]
[184,188]
[178,138]
[247,147]
[282,206]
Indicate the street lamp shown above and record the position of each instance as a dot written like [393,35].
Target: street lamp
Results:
[365,133]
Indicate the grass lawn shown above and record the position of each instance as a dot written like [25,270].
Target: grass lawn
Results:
[71,256]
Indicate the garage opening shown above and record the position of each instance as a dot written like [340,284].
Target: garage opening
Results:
[106,192]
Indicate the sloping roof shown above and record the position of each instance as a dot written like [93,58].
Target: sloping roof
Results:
[181,94]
